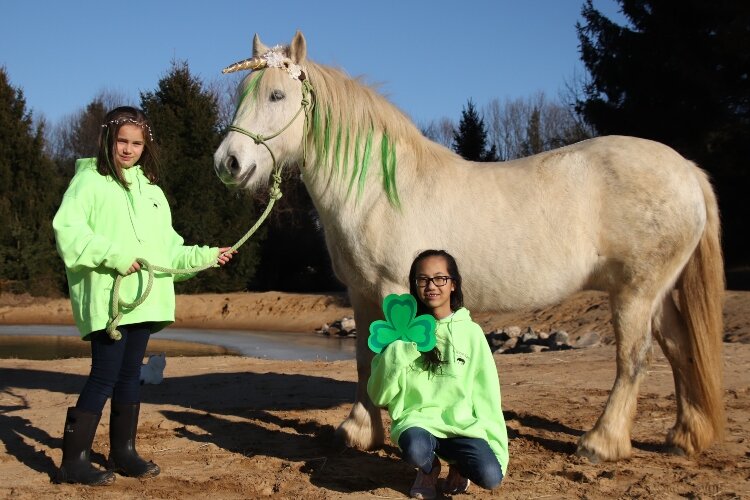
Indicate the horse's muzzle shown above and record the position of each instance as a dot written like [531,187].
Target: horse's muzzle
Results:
[228,169]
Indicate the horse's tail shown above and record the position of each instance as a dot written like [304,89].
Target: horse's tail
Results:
[701,290]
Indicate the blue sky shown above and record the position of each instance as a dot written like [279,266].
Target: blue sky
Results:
[428,57]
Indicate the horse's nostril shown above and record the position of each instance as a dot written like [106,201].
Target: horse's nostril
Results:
[232,165]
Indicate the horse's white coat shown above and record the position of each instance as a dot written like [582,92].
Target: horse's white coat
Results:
[619,214]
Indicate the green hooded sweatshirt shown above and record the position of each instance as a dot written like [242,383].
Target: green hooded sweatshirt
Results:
[100,229]
[460,399]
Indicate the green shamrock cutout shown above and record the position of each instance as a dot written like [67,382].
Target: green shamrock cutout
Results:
[401,323]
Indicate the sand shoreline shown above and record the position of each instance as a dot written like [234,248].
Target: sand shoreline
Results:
[269,311]
[580,314]
[234,427]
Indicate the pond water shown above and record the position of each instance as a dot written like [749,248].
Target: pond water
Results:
[61,341]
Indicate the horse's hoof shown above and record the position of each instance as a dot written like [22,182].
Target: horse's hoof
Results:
[588,454]
[675,450]
[353,436]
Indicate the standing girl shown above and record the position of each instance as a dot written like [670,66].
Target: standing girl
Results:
[112,213]
[444,403]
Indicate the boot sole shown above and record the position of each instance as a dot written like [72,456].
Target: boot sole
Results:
[106,481]
[145,475]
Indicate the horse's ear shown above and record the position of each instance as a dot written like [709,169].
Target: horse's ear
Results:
[298,48]
[259,48]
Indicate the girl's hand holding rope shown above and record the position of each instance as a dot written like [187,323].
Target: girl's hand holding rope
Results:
[135,267]
[225,257]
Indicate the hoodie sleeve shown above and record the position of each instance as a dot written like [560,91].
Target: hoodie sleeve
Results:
[80,247]
[388,369]
[486,391]
[185,257]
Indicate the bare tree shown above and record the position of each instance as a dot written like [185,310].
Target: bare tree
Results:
[440,131]
[524,126]
[77,135]
[506,126]
[570,96]
[225,89]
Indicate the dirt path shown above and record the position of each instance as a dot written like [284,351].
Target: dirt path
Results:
[229,427]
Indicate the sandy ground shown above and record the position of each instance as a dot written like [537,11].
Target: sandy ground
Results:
[232,427]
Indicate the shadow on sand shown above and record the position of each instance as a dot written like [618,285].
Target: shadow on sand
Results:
[213,402]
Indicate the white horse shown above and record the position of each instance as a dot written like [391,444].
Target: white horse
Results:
[624,215]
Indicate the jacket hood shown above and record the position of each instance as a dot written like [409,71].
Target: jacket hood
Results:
[85,163]
[130,174]
[461,315]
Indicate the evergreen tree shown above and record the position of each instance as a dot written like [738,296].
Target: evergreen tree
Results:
[185,124]
[30,192]
[294,257]
[678,74]
[470,140]
[533,143]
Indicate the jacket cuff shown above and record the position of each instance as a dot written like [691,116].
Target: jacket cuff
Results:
[122,263]
[399,353]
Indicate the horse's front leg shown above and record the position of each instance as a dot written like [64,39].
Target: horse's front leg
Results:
[363,428]
[610,437]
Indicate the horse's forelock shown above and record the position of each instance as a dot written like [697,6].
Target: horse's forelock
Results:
[247,91]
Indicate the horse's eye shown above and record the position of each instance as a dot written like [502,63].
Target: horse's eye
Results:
[277,95]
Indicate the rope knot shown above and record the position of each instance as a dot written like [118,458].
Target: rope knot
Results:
[274,193]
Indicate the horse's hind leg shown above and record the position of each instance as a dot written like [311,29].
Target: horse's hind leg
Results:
[610,437]
[692,430]
[363,428]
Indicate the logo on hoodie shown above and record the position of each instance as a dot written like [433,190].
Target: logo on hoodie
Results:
[461,357]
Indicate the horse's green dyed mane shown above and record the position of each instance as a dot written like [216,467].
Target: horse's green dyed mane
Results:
[356,146]
[345,137]
[350,127]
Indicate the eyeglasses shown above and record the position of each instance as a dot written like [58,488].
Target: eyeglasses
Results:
[436,280]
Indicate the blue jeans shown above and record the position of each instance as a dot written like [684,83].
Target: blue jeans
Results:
[472,457]
[115,367]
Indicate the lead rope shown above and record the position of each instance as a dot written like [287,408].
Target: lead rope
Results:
[118,305]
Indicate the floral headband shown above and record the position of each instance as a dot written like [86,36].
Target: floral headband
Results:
[122,121]
[274,58]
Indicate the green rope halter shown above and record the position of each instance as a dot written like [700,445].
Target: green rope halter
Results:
[118,305]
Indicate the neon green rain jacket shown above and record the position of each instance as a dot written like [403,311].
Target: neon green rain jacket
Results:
[100,229]
[461,399]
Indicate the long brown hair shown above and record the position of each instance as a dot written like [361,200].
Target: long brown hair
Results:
[126,115]
[433,359]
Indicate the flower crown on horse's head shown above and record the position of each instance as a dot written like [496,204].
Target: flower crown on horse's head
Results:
[274,58]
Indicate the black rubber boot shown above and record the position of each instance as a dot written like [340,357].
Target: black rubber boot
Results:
[80,428]
[123,459]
